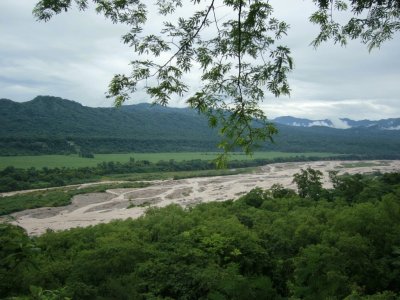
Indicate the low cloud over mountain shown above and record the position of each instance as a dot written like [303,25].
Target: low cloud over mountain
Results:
[341,123]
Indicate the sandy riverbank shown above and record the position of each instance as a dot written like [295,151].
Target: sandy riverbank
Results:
[91,209]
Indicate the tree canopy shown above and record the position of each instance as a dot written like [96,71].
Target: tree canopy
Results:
[235,44]
[269,244]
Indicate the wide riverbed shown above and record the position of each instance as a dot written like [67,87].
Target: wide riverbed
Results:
[91,209]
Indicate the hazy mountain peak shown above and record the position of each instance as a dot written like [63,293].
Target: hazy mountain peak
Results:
[341,123]
[51,100]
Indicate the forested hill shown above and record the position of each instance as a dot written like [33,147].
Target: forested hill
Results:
[49,125]
[46,117]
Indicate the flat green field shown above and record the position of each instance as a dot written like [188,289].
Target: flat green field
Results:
[74,161]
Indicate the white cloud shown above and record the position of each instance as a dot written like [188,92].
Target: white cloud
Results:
[338,123]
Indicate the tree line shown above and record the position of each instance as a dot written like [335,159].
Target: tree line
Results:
[13,179]
[366,142]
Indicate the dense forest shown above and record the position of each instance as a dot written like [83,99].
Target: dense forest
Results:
[48,117]
[50,125]
[340,243]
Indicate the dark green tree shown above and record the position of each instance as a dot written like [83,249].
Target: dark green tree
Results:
[309,183]
[16,253]
[347,186]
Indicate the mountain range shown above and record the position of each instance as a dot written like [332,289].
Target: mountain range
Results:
[341,123]
[48,124]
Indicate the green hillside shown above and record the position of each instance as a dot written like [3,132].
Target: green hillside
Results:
[46,116]
[50,125]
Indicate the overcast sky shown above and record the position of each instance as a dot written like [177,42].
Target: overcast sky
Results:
[75,55]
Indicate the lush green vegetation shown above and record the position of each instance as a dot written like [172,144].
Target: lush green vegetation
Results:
[342,243]
[53,117]
[56,197]
[17,179]
[50,125]
[75,161]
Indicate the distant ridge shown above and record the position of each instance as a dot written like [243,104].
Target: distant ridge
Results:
[342,123]
[49,124]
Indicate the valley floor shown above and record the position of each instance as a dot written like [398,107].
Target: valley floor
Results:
[91,209]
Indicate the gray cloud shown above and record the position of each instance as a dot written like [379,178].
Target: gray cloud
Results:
[76,54]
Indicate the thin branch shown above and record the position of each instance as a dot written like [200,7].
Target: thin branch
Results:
[239,53]
[262,57]
[188,41]
[215,19]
